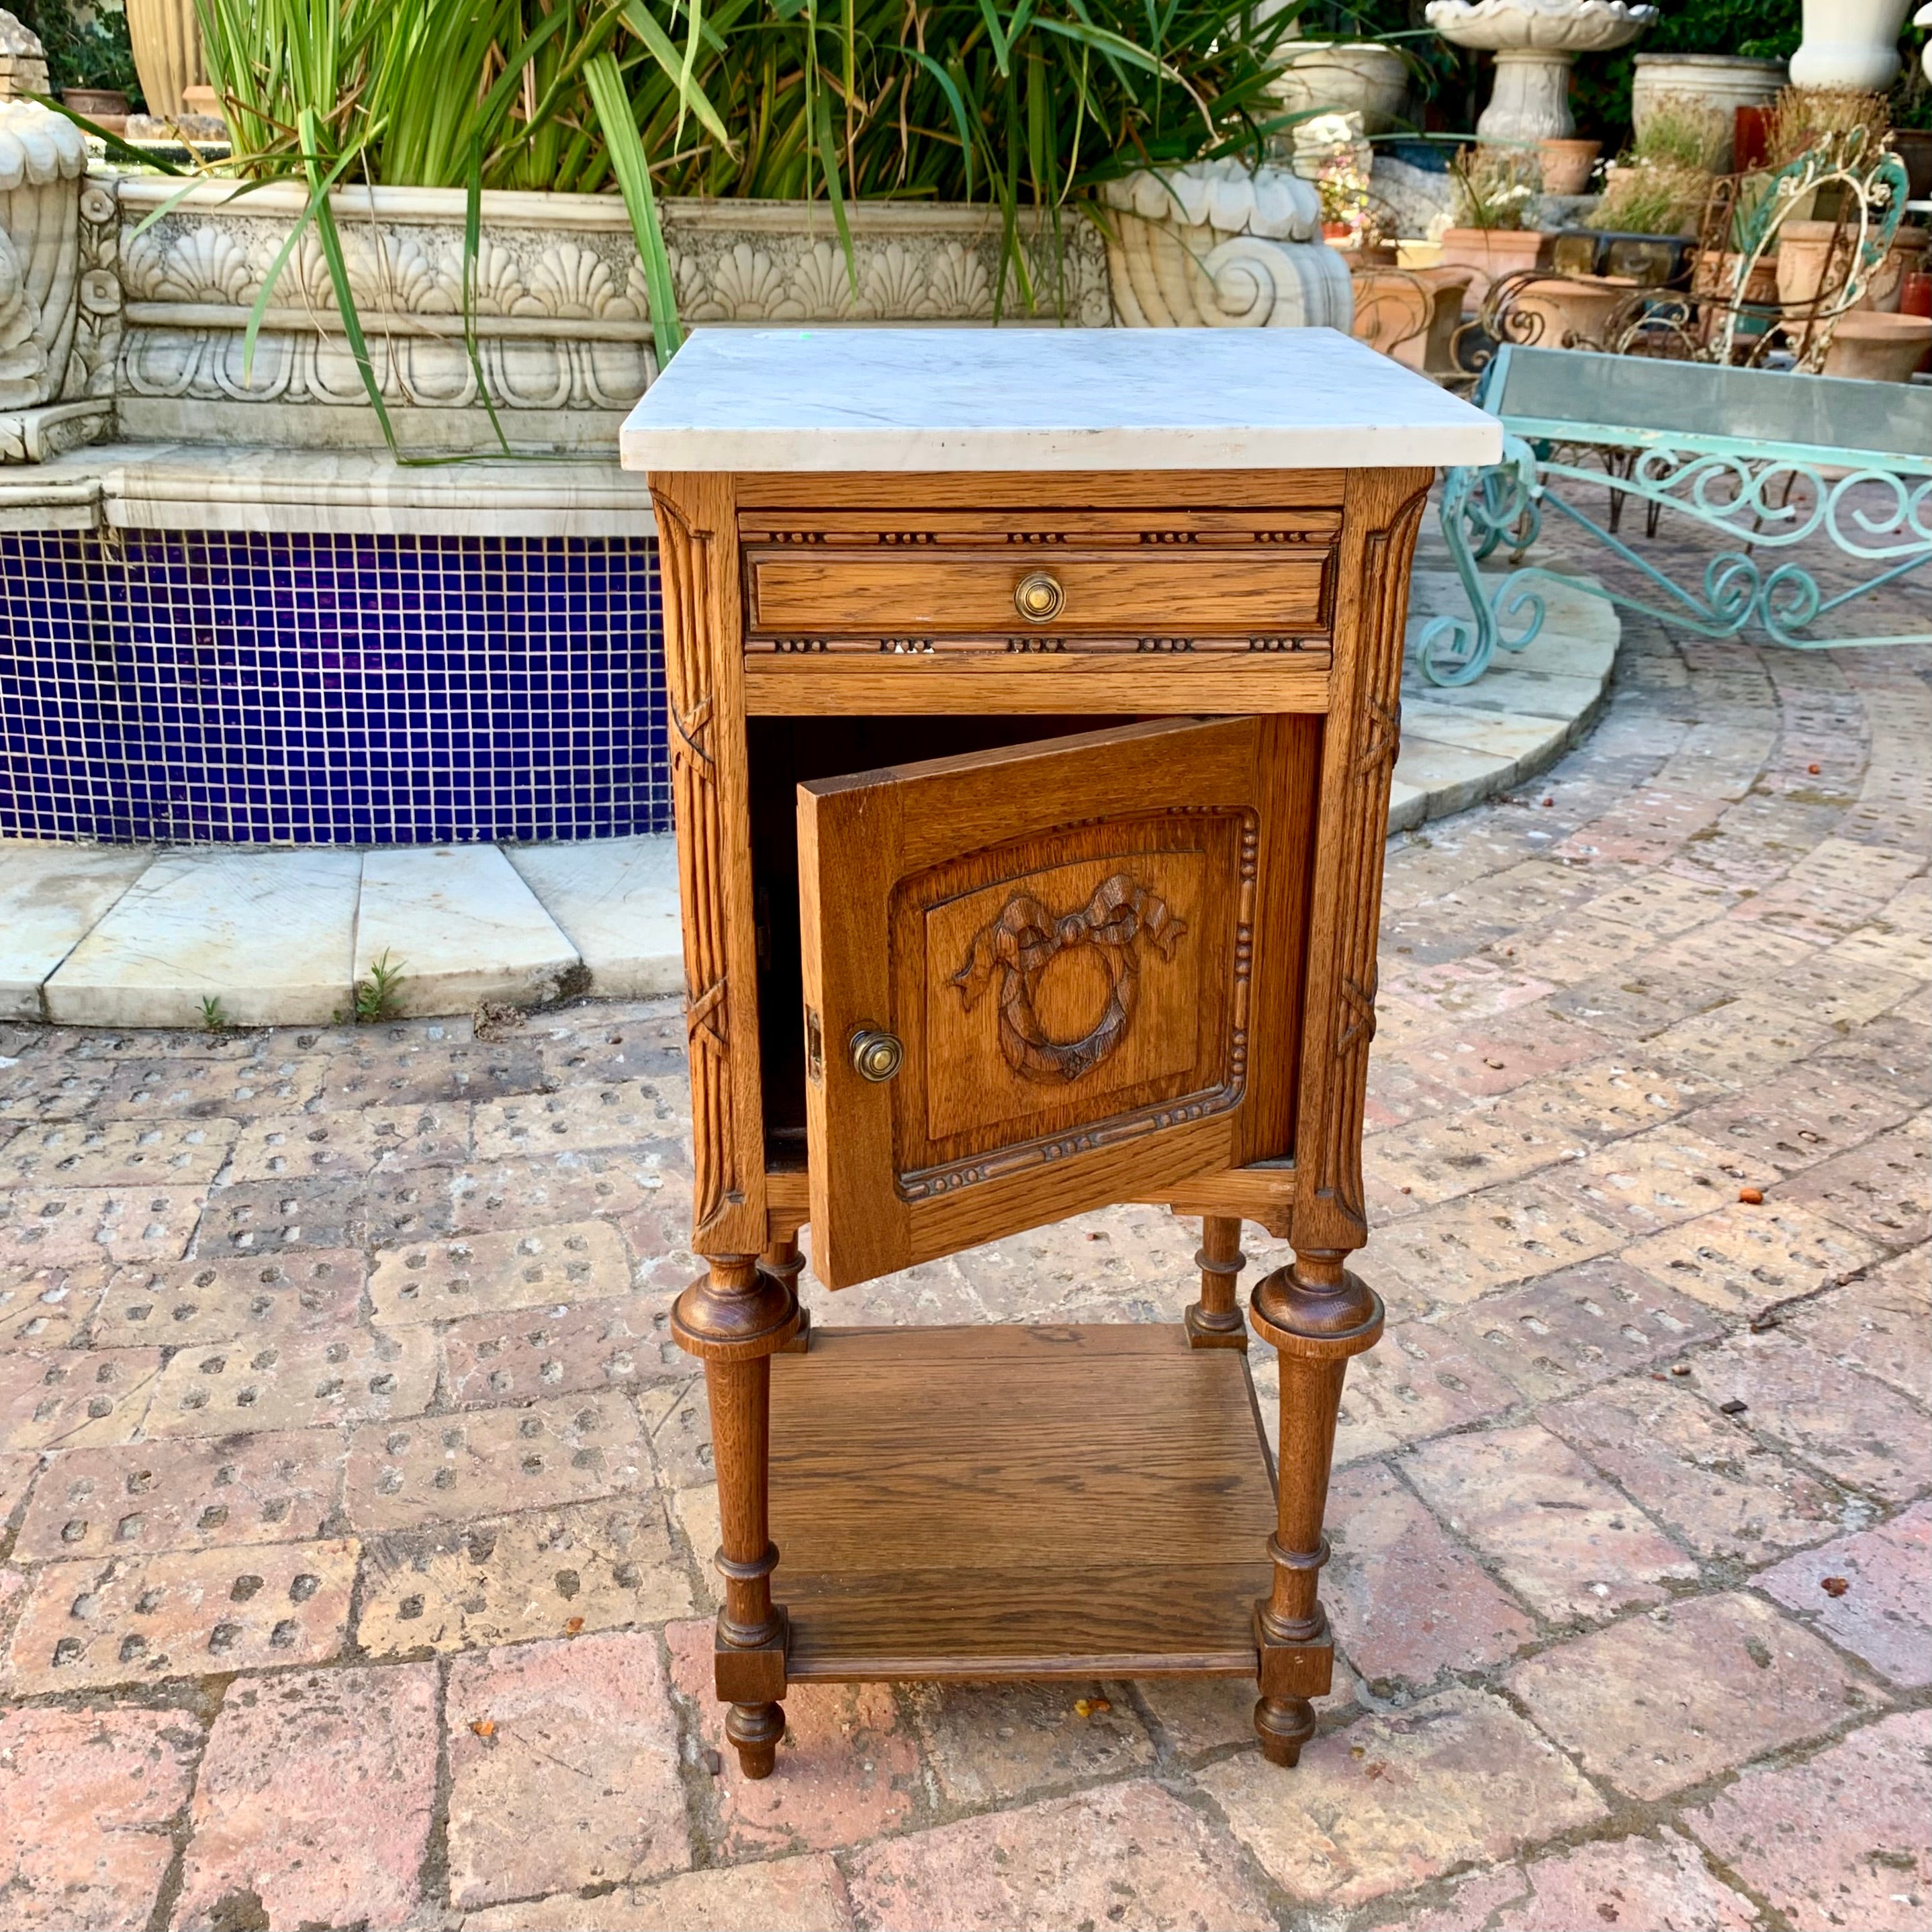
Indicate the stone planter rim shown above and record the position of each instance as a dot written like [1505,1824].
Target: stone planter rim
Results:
[520,208]
[1757,63]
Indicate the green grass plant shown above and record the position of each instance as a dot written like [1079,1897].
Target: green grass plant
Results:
[1025,104]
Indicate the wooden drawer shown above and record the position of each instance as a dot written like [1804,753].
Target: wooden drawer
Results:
[1121,581]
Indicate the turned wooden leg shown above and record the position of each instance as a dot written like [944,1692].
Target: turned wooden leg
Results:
[1316,1315]
[783,1259]
[1214,1321]
[734,1319]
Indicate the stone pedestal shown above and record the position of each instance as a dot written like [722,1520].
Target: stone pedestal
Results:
[1535,42]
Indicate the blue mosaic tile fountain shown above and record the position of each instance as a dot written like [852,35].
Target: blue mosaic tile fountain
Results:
[324,690]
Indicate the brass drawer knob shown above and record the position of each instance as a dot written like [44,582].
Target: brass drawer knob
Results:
[1038,597]
[876,1056]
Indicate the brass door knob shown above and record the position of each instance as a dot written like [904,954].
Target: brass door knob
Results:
[876,1056]
[1038,597]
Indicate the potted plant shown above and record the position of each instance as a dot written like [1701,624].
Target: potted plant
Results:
[1716,84]
[1495,192]
[445,224]
[1654,195]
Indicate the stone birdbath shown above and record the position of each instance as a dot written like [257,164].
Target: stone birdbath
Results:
[1535,42]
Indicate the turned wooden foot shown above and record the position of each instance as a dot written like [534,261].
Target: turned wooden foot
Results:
[1284,1725]
[1316,1315]
[1214,1321]
[733,1320]
[755,1730]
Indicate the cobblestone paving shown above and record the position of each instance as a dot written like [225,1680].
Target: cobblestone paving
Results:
[355,1500]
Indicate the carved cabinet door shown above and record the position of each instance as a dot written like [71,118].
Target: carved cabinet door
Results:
[1026,983]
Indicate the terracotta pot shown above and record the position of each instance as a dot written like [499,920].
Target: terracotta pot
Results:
[1873,347]
[165,36]
[1804,253]
[1715,276]
[1915,298]
[102,104]
[1492,254]
[1574,311]
[1567,165]
[1905,257]
[1412,314]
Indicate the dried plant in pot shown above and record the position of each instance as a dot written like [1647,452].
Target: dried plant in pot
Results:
[1495,190]
[1661,186]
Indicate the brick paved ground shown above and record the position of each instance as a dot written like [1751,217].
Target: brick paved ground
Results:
[355,1500]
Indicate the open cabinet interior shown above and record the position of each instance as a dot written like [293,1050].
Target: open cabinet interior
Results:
[785,753]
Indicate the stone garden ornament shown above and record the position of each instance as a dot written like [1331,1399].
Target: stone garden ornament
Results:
[1216,245]
[56,358]
[1535,43]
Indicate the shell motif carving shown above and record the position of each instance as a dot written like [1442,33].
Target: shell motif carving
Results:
[1212,245]
[43,158]
[579,270]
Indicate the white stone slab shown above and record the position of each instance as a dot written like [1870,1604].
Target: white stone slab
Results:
[52,893]
[461,927]
[1452,779]
[1506,735]
[188,487]
[818,399]
[269,933]
[616,900]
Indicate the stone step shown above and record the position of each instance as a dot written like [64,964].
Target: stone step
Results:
[169,936]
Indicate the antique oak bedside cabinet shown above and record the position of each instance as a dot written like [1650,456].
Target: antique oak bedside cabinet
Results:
[1033,701]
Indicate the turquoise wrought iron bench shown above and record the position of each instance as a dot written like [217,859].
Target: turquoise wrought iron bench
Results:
[1773,460]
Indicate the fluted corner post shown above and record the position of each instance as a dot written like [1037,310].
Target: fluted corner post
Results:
[1215,1321]
[734,1319]
[1316,1315]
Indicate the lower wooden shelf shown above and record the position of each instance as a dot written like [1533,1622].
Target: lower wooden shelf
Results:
[1006,1502]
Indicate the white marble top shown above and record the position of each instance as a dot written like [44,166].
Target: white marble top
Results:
[777,399]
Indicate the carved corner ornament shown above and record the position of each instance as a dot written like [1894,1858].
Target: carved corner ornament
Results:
[1331,1212]
[1122,918]
[686,559]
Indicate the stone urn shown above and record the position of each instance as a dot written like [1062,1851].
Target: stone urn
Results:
[1717,84]
[1344,77]
[165,36]
[1217,245]
[43,158]
[1875,347]
[1851,43]
[1535,43]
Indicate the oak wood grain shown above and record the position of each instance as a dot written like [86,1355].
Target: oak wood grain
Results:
[919,593]
[997,680]
[957,1501]
[907,1169]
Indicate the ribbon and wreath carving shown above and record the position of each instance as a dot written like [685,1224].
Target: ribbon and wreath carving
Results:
[1017,945]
